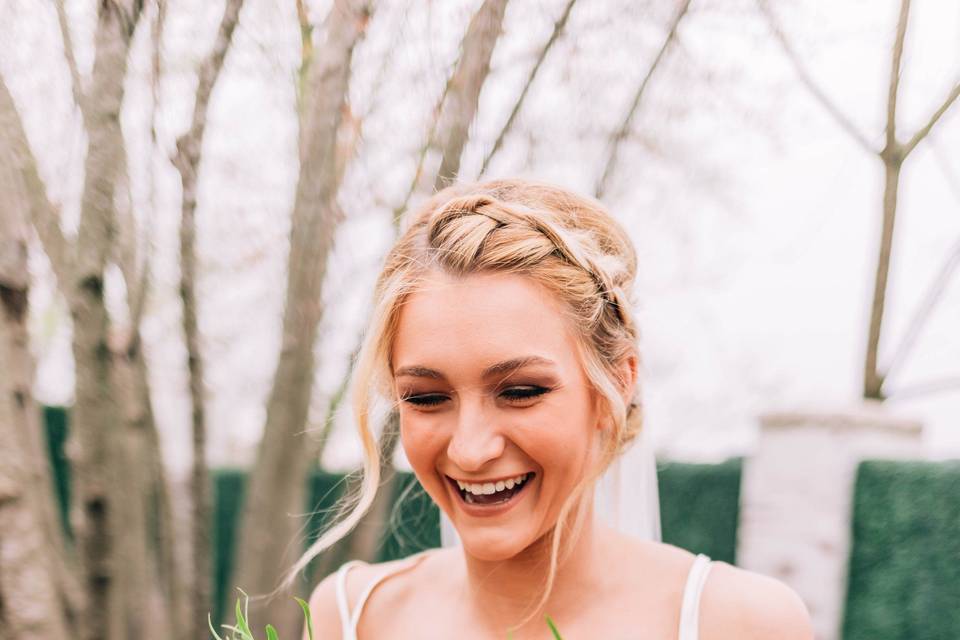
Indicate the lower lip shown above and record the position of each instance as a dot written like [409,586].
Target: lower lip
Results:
[486,511]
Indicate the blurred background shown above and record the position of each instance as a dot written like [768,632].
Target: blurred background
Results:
[197,197]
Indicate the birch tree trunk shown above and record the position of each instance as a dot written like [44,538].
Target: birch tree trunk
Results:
[31,543]
[97,433]
[269,540]
[187,162]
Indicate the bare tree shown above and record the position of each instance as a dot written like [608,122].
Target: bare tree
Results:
[187,162]
[893,154]
[558,28]
[97,474]
[126,587]
[439,160]
[276,487]
[31,582]
[626,125]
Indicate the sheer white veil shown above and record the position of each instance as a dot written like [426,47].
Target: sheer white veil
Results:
[627,497]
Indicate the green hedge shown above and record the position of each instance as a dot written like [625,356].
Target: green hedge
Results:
[700,506]
[905,560]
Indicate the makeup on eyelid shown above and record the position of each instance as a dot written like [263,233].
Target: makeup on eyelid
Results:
[514,393]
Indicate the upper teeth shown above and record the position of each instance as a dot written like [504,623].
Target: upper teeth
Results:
[488,488]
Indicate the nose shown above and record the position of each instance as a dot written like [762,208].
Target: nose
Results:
[476,438]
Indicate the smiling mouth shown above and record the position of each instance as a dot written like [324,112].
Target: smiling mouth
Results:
[491,493]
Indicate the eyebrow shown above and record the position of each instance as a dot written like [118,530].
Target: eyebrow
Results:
[501,368]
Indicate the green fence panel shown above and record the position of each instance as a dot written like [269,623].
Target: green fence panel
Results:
[229,487]
[414,523]
[700,506]
[904,580]
[55,419]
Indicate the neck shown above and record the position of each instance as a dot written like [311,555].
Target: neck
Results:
[504,592]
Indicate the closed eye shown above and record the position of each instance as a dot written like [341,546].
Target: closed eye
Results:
[519,394]
[516,395]
[426,400]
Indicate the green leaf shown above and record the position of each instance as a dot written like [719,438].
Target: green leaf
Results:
[306,615]
[553,628]
[242,627]
[212,630]
[271,633]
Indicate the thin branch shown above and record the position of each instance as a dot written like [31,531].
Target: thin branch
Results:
[188,144]
[895,66]
[187,161]
[929,387]
[922,133]
[422,157]
[925,309]
[75,83]
[43,214]
[626,125]
[793,57]
[953,180]
[558,28]
[458,103]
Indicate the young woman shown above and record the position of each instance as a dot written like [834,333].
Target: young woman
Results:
[504,336]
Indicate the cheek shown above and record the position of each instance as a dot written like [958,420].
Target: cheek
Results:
[423,446]
[561,442]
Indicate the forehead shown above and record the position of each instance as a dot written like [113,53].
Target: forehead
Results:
[469,322]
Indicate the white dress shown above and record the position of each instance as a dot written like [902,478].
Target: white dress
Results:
[689,608]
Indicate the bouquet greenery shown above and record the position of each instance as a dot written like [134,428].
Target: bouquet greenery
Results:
[240,630]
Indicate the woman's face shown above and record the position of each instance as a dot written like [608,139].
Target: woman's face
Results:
[491,389]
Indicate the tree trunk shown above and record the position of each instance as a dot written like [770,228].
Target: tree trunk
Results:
[269,540]
[460,107]
[31,606]
[135,581]
[872,380]
[439,161]
[96,433]
[187,162]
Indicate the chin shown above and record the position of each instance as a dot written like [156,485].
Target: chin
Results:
[493,546]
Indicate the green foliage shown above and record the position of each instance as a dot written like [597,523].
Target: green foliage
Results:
[553,628]
[229,488]
[904,579]
[241,630]
[700,506]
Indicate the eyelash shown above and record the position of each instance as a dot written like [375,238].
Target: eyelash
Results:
[434,399]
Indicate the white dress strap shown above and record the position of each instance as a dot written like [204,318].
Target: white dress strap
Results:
[690,609]
[350,619]
[348,627]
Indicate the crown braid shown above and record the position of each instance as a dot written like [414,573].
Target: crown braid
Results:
[564,243]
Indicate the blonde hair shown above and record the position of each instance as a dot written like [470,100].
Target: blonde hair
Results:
[567,243]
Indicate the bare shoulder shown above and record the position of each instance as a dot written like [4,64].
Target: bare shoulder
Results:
[324,609]
[741,604]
